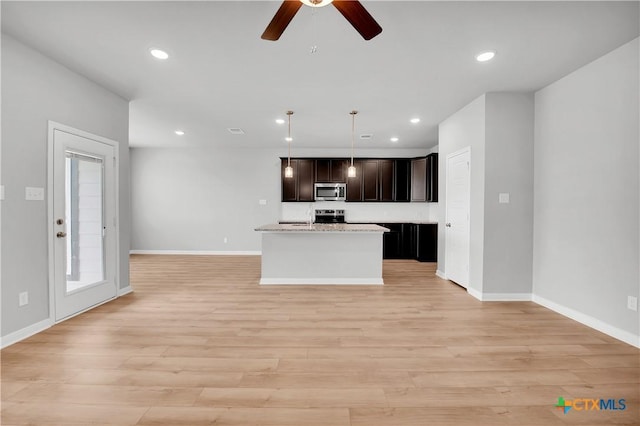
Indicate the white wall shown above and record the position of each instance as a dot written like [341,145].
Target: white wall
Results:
[508,228]
[190,199]
[35,90]
[498,128]
[586,215]
[465,128]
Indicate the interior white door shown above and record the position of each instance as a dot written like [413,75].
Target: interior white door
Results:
[84,218]
[457,232]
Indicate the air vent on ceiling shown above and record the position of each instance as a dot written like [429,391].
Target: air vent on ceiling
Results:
[366,136]
[235,131]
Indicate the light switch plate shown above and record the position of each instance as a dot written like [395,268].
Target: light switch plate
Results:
[632,303]
[33,193]
[503,198]
[262,202]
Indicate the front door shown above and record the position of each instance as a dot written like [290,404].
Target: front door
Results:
[84,218]
[457,232]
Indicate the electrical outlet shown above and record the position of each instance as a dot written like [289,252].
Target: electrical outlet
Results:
[23,298]
[632,303]
[225,240]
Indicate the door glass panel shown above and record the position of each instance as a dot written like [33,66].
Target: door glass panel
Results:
[84,192]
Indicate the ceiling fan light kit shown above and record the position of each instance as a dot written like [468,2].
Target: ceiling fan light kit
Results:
[352,10]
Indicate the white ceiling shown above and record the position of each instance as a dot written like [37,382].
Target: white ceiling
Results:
[221,74]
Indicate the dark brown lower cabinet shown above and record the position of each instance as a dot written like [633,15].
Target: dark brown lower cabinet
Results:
[410,241]
[426,236]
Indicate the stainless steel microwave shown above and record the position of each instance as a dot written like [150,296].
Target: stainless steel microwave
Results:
[330,191]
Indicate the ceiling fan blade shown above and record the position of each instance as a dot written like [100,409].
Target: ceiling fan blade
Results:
[281,19]
[358,16]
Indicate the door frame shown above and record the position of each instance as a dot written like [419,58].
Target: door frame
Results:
[52,127]
[465,150]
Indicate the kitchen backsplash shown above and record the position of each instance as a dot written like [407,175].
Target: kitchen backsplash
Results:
[364,212]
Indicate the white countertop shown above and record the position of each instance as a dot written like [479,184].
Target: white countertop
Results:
[321,227]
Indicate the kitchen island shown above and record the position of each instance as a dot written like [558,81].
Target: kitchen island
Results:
[305,253]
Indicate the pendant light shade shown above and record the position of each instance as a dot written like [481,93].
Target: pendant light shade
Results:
[351,171]
[288,171]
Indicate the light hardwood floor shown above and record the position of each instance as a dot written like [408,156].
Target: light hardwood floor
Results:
[201,343]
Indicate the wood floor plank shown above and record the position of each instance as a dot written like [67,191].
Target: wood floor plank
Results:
[199,342]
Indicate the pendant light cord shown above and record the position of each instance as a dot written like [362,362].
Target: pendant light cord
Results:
[289,113]
[353,130]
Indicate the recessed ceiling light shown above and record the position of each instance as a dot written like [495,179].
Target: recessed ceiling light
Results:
[415,120]
[179,132]
[394,139]
[485,56]
[159,54]
[280,121]
[288,139]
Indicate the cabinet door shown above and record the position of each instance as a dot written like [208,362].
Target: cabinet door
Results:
[432,177]
[427,242]
[339,170]
[419,179]
[289,185]
[402,180]
[354,185]
[306,179]
[392,241]
[370,180]
[386,179]
[323,170]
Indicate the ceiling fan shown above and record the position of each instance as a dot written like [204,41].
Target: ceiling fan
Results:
[352,10]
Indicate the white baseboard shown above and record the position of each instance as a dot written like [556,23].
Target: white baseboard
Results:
[199,252]
[589,321]
[122,291]
[440,274]
[506,297]
[475,293]
[22,334]
[321,281]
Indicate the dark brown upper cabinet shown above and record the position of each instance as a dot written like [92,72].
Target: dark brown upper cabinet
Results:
[331,170]
[386,180]
[402,180]
[419,179]
[354,184]
[370,180]
[381,180]
[300,186]
[424,178]
[432,177]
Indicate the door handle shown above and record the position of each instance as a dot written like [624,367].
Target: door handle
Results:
[61,234]
[448,225]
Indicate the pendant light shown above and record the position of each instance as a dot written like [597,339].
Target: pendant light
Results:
[351,171]
[288,171]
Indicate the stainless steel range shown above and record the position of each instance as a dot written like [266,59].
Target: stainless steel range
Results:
[329,216]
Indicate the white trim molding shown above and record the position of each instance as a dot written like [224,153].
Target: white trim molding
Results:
[24,333]
[440,274]
[321,281]
[199,252]
[589,321]
[123,291]
[475,293]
